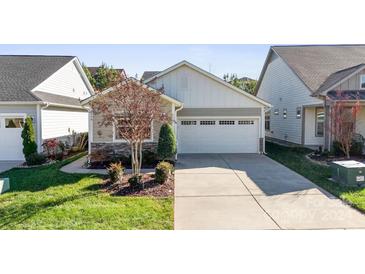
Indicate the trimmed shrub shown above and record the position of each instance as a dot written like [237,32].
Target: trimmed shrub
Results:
[35,159]
[115,172]
[135,181]
[149,158]
[336,148]
[356,148]
[28,135]
[59,156]
[162,172]
[166,148]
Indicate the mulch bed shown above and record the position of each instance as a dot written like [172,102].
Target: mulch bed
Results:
[151,187]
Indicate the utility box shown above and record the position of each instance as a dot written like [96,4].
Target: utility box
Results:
[4,185]
[348,173]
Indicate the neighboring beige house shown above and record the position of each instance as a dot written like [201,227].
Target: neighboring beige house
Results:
[299,81]
[46,88]
[208,114]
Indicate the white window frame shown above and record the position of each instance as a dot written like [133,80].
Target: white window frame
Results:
[316,121]
[362,77]
[116,140]
[3,116]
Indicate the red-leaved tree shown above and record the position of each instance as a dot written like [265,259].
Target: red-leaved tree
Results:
[343,113]
[130,107]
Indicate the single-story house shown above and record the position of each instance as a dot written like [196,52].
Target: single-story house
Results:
[208,114]
[46,88]
[301,82]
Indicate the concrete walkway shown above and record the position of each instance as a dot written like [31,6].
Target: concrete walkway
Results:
[6,165]
[250,191]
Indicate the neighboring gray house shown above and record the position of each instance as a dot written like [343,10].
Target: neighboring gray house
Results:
[46,88]
[299,81]
[208,114]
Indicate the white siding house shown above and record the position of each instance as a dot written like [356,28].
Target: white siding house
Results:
[303,82]
[208,114]
[46,88]
[285,91]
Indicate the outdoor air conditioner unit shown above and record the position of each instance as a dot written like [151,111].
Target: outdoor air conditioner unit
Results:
[349,173]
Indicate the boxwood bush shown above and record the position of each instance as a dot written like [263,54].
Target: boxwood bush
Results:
[162,172]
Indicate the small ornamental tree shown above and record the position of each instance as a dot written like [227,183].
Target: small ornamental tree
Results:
[343,121]
[166,143]
[130,107]
[28,135]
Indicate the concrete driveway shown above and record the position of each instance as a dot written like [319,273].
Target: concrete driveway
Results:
[5,165]
[250,191]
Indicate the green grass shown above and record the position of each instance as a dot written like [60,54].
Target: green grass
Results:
[46,198]
[294,158]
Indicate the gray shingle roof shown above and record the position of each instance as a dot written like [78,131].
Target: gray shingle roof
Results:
[346,95]
[149,74]
[57,99]
[19,74]
[334,78]
[320,66]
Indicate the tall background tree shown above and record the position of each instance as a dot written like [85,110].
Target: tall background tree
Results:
[104,77]
[244,83]
[89,75]
[131,108]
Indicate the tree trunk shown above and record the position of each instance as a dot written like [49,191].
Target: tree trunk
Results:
[140,159]
[133,159]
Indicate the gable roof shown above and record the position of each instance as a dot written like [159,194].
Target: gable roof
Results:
[164,96]
[319,67]
[55,99]
[209,75]
[19,74]
[149,74]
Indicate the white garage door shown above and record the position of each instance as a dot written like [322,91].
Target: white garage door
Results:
[218,135]
[11,147]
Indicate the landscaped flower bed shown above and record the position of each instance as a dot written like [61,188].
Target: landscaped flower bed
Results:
[159,184]
[149,187]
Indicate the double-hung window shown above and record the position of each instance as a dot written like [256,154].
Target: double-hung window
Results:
[362,81]
[319,122]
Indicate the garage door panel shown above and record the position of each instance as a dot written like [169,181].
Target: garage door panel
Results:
[219,137]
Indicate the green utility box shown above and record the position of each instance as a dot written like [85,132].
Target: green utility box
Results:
[348,173]
[4,185]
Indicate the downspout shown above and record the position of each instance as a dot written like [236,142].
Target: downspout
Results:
[267,109]
[175,122]
[39,127]
[90,131]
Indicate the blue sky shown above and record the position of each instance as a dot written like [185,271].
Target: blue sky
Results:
[244,60]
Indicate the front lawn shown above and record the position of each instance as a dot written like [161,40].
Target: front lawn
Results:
[294,158]
[46,198]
